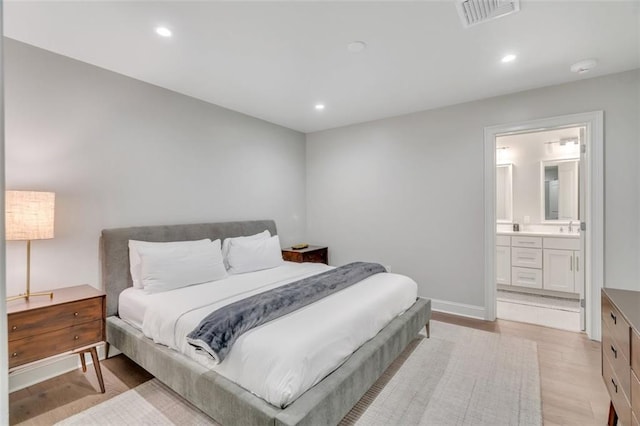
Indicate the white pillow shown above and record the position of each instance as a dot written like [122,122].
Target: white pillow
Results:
[172,267]
[227,241]
[134,256]
[254,255]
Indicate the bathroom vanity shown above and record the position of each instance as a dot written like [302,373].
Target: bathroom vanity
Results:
[538,260]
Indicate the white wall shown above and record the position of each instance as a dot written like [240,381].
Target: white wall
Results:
[525,151]
[120,152]
[408,191]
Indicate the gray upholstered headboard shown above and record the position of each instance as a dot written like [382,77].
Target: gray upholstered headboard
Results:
[114,247]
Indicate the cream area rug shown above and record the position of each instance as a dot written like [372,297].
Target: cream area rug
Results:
[460,376]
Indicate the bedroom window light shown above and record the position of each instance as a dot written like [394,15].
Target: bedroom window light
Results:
[319,107]
[508,58]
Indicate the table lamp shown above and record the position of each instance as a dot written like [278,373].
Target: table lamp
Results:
[29,216]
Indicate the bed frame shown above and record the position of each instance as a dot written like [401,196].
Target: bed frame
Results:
[325,403]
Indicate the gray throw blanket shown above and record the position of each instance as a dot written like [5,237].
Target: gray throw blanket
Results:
[220,329]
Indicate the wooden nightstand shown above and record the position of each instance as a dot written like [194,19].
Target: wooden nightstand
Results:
[314,254]
[72,322]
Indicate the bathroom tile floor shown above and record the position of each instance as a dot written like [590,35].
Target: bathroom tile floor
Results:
[552,312]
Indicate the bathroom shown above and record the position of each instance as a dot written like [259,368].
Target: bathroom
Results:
[539,244]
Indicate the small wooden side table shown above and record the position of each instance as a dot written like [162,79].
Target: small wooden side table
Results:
[73,322]
[314,254]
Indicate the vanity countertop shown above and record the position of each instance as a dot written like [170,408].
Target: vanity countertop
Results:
[539,234]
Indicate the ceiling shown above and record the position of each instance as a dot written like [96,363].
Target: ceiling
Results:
[276,60]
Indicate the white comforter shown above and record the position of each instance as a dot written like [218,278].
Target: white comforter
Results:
[280,360]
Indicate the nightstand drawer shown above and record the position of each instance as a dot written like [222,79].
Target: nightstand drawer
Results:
[42,346]
[618,327]
[45,320]
[313,254]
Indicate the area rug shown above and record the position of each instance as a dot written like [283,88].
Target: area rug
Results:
[460,376]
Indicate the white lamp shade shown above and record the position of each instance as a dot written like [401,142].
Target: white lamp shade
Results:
[29,215]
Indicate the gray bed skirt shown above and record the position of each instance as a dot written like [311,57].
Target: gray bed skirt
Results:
[324,404]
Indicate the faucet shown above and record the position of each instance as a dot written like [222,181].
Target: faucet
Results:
[571,223]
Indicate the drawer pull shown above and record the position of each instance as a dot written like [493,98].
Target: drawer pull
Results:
[615,352]
[76,337]
[15,354]
[614,385]
[75,314]
[614,318]
[14,328]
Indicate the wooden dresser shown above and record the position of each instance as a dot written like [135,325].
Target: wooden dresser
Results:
[313,254]
[72,322]
[621,354]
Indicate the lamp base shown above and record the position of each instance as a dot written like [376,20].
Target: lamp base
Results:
[28,295]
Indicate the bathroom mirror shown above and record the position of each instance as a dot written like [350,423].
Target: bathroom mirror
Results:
[504,193]
[559,190]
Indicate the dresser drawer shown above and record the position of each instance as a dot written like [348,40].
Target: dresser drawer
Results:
[526,277]
[529,242]
[526,258]
[48,319]
[619,399]
[635,394]
[41,346]
[618,327]
[635,353]
[619,363]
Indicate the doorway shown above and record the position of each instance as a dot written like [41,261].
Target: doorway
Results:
[560,257]
[539,246]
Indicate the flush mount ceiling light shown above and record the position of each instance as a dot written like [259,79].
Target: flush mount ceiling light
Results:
[584,66]
[319,107]
[356,46]
[163,31]
[508,58]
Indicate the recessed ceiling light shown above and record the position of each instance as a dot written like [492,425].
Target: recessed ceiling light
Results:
[356,46]
[584,66]
[319,107]
[509,58]
[163,31]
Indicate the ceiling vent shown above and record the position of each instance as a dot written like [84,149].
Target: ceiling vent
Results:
[473,12]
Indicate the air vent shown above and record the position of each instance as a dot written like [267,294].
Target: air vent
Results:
[473,12]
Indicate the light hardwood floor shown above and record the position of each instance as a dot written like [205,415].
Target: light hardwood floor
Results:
[572,389]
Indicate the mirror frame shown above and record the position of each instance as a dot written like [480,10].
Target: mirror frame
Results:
[553,162]
[509,168]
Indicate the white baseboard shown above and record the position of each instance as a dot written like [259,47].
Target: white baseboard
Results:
[461,309]
[52,367]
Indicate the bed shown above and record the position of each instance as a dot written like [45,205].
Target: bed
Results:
[212,390]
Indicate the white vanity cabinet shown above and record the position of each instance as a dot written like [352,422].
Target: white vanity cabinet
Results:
[526,261]
[539,262]
[503,260]
[561,258]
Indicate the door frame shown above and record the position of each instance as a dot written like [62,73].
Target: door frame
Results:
[593,215]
